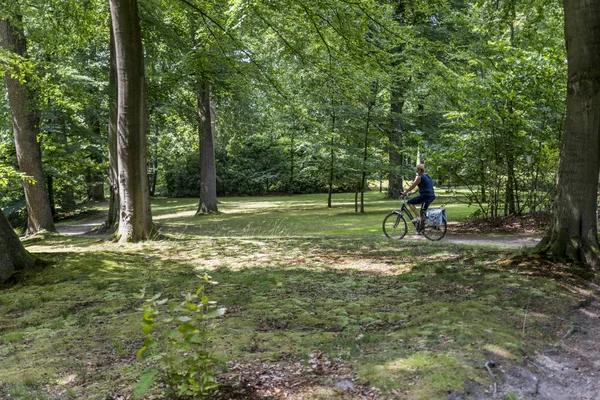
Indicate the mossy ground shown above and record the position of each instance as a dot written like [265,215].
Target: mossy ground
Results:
[411,319]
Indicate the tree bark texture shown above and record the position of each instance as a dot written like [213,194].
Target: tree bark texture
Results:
[573,230]
[135,218]
[113,155]
[25,121]
[13,256]
[208,171]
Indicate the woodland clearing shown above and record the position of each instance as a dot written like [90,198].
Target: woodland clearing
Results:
[343,314]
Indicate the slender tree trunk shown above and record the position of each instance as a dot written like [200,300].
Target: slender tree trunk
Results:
[482,177]
[13,256]
[113,157]
[26,128]
[363,181]
[510,208]
[135,218]
[153,178]
[573,229]
[94,178]
[331,155]
[208,172]
[509,139]
[50,187]
[291,182]
[395,185]
[397,94]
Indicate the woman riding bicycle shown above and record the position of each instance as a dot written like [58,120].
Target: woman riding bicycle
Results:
[426,195]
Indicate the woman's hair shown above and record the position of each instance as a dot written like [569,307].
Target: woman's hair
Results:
[421,167]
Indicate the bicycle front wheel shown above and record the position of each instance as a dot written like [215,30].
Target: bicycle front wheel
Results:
[435,232]
[394,226]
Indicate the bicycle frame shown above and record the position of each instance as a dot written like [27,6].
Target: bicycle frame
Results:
[404,210]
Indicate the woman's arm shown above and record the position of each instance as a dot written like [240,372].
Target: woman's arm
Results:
[415,183]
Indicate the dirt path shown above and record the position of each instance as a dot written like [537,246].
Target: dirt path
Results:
[567,370]
[82,225]
[494,240]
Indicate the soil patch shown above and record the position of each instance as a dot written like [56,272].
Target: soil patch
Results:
[522,225]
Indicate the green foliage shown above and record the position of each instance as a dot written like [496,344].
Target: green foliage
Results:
[179,344]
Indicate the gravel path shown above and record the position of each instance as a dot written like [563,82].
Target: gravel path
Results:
[494,240]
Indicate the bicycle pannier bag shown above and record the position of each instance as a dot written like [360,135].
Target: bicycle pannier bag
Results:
[436,216]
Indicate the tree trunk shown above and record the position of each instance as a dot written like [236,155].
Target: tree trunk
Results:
[208,172]
[395,146]
[510,206]
[572,233]
[363,180]
[292,151]
[13,256]
[113,157]
[50,187]
[397,94]
[26,127]
[153,174]
[94,177]
[331,156]
[135,218]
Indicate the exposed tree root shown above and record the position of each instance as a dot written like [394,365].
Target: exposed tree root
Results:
[578,249]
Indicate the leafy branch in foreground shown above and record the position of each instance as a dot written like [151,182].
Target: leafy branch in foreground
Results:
[177,346]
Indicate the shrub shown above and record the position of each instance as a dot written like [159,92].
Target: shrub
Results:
[178,353]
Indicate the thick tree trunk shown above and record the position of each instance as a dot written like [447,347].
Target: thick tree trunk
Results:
[135,218]
[113,156]
[26,127]
[208,171]
[573,230]
[13,256]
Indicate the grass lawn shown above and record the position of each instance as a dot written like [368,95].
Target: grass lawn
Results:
[319,304]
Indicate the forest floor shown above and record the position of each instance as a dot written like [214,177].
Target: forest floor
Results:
[332,317]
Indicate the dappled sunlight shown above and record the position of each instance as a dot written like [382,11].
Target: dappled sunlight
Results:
[180,214]
[501,352]
[411,315]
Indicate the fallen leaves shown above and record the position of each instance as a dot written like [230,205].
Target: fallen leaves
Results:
[287,378]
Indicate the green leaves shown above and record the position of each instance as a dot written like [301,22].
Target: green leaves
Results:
[145,383]
[179,344]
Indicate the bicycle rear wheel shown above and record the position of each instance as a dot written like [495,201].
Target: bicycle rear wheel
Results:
[394,226]
[435,232]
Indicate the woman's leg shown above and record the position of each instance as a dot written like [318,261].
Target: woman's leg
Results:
[411,204]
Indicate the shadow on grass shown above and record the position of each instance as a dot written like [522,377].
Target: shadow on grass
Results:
[395,312]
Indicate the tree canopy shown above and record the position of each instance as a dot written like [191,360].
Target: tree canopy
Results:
[304,97]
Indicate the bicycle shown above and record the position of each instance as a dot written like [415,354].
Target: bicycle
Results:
[395,225]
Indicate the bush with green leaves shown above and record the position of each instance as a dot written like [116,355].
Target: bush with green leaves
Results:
[177,344]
